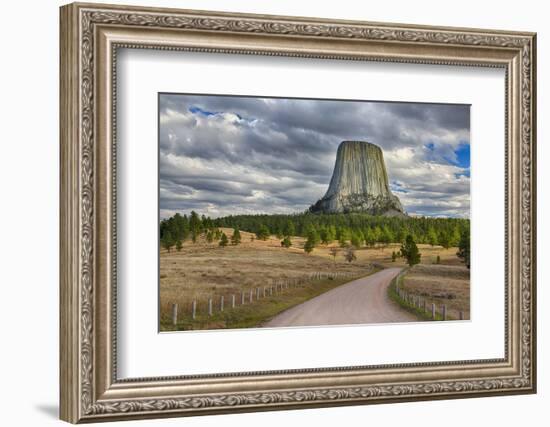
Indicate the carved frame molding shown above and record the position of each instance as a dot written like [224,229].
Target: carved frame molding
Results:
[90,37]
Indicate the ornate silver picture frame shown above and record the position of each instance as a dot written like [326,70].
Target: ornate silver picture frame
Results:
[91,390]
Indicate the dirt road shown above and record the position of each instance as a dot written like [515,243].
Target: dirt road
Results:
[361,301]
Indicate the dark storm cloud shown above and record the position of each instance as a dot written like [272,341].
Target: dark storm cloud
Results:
[221,155]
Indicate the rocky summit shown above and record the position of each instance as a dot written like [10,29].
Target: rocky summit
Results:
[359,183]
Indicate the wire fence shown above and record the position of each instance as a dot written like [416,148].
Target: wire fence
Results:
[251,295]
[425,306]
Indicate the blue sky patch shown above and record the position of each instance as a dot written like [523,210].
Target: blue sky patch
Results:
[463,156]
[198,110]
[396,187]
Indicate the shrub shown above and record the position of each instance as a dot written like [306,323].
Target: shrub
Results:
[286,242]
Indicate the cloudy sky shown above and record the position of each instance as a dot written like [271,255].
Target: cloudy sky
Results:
[222,155]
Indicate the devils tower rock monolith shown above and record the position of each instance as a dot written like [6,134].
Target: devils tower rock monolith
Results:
[359,183]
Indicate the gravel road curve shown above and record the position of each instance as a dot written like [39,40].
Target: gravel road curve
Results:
[363,300]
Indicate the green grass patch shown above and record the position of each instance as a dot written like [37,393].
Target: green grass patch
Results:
[255,314]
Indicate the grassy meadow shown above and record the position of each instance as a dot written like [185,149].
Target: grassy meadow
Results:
[201,271]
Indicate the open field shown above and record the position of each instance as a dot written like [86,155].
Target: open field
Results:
[441,284]
[203,271]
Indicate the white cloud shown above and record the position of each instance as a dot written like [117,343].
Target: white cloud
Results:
[230,155]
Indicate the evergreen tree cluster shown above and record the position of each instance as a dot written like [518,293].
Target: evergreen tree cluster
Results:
[178,228]
[353,230]
[357,229]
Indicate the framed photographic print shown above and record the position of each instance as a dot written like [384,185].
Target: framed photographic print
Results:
[266,212]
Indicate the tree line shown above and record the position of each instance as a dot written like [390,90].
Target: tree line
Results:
[350,230]
[353,227]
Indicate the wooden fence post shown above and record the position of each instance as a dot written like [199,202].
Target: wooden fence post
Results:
[433,311]
[444,312]
[233,301]
[174,314]
[461,315]
[194,309]
[210,306]
[221,303]
[251,293]
[242,297]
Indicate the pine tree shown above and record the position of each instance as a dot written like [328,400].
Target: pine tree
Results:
[445,239]
[263,232]
[331,233]
[377,234]
[236,237]
[178,245]
[290,229]
[410,251]
[194,225]
[313,235]
[401,234]
[344,237]
[386,236]
[432,236]
[309,246]
[223,240]
[356,240]
[167,241]
[324,235]
[456,236]
[209,237]
[464,248]
[369,237]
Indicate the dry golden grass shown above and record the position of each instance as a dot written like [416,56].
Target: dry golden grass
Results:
[205,270]
[441,284]
[382,255]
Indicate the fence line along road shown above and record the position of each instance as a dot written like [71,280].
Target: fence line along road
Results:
[418,302]
[255,294]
